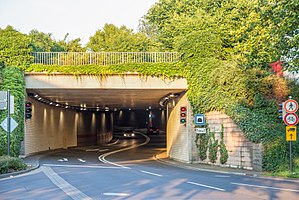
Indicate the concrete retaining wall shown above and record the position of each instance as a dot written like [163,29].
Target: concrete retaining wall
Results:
[53,128]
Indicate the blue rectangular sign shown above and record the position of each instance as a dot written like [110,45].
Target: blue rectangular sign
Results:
[199,119]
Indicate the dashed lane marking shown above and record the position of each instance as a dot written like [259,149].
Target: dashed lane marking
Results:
[154,174]
[115,194]
[206,186]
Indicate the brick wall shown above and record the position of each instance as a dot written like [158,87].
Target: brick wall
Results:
[242,153]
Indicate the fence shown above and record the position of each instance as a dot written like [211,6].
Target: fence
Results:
[102,58]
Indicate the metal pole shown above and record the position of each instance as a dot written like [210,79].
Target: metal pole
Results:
[291,163]
[8,123]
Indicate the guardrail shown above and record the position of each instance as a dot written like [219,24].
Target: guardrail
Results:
[102,58]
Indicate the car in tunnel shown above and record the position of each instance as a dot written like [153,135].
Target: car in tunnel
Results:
[153,130]
[129,134]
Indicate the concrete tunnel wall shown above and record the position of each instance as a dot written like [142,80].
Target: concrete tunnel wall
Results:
[54,128]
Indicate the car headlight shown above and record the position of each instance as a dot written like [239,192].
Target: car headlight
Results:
[133,134]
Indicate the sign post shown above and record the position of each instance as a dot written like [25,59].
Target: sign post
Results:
[8,122]
[290,119]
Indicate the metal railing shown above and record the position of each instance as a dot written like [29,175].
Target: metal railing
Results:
[102,58]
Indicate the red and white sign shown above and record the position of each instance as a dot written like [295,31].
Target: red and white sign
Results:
[290,106]
[290,119]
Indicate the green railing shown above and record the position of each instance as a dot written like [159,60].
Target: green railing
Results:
[102,58]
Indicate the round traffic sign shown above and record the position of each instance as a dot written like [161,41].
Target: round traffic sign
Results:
[290,119]
[290,106]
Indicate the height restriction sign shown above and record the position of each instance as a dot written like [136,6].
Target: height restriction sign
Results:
[290,106]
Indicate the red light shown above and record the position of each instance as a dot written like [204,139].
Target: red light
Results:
[183,109]
[28,104]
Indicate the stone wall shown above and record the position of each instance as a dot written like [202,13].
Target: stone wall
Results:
[242,153]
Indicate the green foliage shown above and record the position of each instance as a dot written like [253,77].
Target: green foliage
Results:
[222,148]
[283,15]
[14,48]
[213,147]
[43,42]
[11,164]
[13,80]
[168,70]
[122,39]
[202,142]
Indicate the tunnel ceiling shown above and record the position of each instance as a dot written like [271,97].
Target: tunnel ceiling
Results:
[112,98]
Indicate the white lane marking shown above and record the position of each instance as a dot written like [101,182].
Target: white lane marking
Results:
[70,190]
[266,187]
[81,166]
[154,174]
[92,150]
[207,186]
[81,160]
[222,176]
[101,150]
[115,194]
[103,156]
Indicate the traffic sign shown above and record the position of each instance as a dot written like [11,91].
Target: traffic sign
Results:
[13,124]
[291,133]
[290,119]
[3,100]
[201,130]
[199,119]
[290,106]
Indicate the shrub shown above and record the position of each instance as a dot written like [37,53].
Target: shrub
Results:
[11,164]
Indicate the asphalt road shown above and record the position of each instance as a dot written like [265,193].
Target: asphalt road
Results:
[126,169]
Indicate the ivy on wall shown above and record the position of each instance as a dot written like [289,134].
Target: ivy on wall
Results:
[12,79]
[208,146]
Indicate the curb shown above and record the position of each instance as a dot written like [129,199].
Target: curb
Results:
[183,165]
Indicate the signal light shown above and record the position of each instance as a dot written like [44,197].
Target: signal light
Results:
[281,110]
[28,110]
[183,115]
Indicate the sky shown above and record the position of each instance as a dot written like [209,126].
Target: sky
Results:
[79,18]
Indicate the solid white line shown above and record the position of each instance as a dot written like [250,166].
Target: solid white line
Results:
[207,186]
[154,174]
[266,187]
[115,194]
[222,176]
[70,190]
[103,156]
[81,166]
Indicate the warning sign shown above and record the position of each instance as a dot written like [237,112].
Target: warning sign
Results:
[291,133]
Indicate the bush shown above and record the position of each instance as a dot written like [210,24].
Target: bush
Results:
[11,164]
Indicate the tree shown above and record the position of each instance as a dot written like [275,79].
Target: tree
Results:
[42,42]
[284,15]
[14,48]
[112,38]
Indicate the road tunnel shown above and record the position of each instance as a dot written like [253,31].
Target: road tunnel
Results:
[70,111]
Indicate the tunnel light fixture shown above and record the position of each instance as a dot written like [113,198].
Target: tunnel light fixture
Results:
[67,106]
